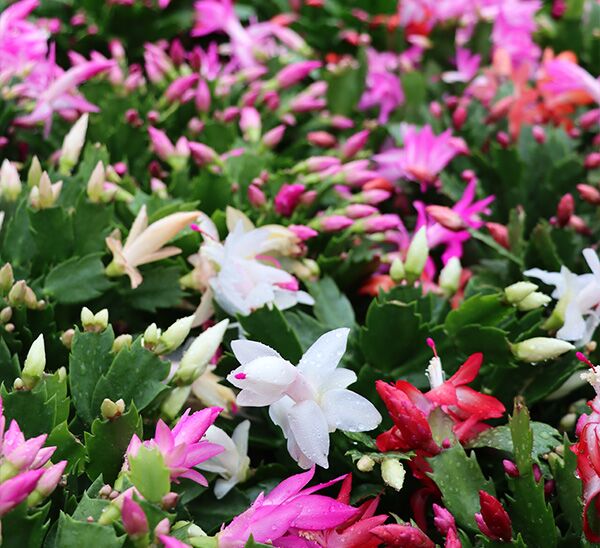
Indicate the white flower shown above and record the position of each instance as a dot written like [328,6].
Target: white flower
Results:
[578,298]
[233,464]
[307,402]
[236,272]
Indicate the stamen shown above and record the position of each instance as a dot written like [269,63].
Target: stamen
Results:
[431,343]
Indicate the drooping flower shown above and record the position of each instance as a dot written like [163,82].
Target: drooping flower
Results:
[421,159]
[182,447]
[289,505]
[308,401]
[233,464]
[145,243]
[578,297]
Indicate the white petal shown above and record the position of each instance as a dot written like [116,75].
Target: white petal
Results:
[573,327]
[240,437]
[339,378]
[549,278]
[324,355]
[222,487]
[593,262]
[349,411]
[310,431]
[246,351]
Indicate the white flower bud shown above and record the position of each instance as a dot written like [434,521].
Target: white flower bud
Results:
[195,360]
[34,363]
[517,292]
[449,279]
[10,182]
[417,255]
[532,301]
[539,349]
[72,145]
[172,338]
[393,473]
[34,173]
[365,463]
[94,322]
[95,184]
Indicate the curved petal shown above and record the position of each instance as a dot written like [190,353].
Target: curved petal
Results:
[246,351]
[310,431]
[349,411]
[339,378]
[324,354]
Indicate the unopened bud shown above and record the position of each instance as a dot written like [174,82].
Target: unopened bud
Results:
[365,463]
[94,322]
[34,173]
[533,301]
[67,338]
[34,363]
[417,255]
[589,193]
[10,182]
[175,400]
[5,314]
[72,145]
[515,293]
[393,473]
[566,208]
[16,295]
[174,335]
[122,341]
[447,217]
[499,233]
[151,336]
[95,185]
[169,501]
[539,349]
[112,410]
[449,279]
[397,271]
[7,279]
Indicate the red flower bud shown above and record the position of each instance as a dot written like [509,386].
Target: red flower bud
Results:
[405,536]
[565,209]
[499,233]
[589,193]
[493,520]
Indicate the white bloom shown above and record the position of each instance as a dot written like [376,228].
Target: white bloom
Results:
[578,298]
[233,464]
[236,274]
[307,402]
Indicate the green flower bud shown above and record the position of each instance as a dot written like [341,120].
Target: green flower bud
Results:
[539,349]
[34,363]
[449,279]
[7,279]
[417,255]
[533,301]
[393,473]
[515,293]
[397,271]
[172,338]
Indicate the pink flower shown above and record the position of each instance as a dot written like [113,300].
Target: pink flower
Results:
[15,490]
[288,198]
[287,506]
[565,77]
[181,447]
[422,158]
[467,65]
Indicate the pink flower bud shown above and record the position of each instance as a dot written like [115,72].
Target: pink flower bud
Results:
[134,519]
[307,103]
[202,97]
[308,197]
[447,217]
[120,168]
[272,100]
[589,193]
[499,233]
[590,119]
[294,73]
[50,478]
[459,117]
[402,535]
[321,139]
[177,52]
[161,144]
[355,143]
[273,137]
[468,175]
[558,9]
[381,223]
[592,160]
[250,123]
[117,51]
[539,134]
[357,211]
[564,210]
[179,86]
[320,163]
[503,139]
[202,154]
[493,521]
[374,196]
[303,232]
[435,109]
[341,122]
[510,468]
[256,196]
[335,223]
[288,198]
[443,519]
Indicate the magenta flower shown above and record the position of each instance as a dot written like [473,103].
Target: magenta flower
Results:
[15,490]
[383,86]
[287,506]
[182,447]
[467,65]
[465,210]
[422,158]
[565,77]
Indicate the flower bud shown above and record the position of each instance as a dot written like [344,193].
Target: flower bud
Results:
[112,410]
[45,195]
[256,196]
[72,145]
[447,217]
[532,301]
[174,335]
[34,363]
[355,144]
[510,468]
[493,520]
[151,336]
[10,182]
[449,279]
[67,338]
[34,173]
[198,355]
[134,519]
[7,278]
[94,322]
[443,519]
[589,193]
[397,271]
[250,124]
[18,293]
[516,292]
[5,314]
[499,233]
[365,463]
[321,139]
[122,341]
[393,473]
[540,349]
[295,72]
[417,255]
[95,184]
[175,400]
[565,209]
[273,137]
